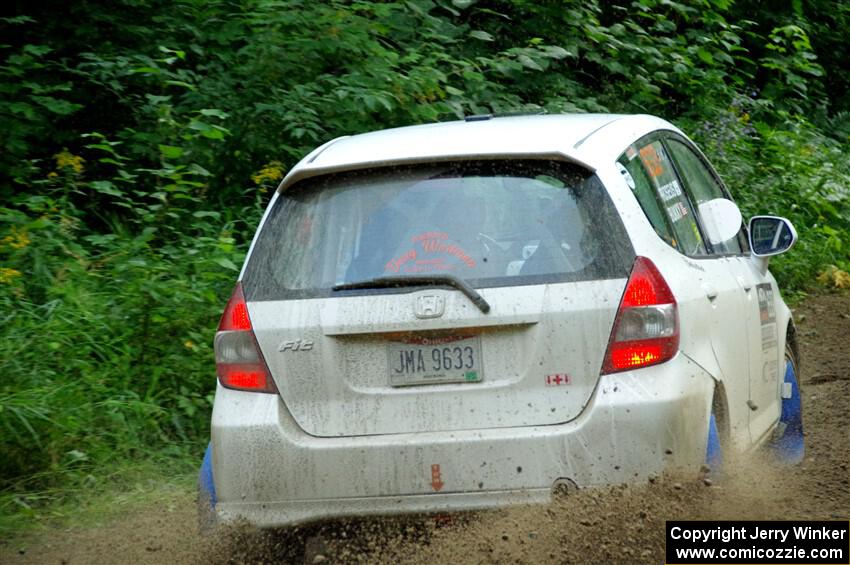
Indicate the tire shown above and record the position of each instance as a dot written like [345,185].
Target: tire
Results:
[788,445]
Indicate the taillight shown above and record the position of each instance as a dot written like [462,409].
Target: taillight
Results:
[238,360]
[646,329]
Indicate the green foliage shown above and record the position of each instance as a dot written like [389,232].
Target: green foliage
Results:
[790,168]
[142,138]
[108,331]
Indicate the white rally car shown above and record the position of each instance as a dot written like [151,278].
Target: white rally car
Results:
[468,315]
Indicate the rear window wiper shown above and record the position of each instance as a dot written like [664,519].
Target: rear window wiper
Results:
[420,280]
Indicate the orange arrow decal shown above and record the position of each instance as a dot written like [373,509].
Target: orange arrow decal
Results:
[436,478]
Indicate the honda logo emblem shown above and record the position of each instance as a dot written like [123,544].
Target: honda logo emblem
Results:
[429,306]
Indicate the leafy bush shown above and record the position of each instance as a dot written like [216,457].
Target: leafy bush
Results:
[106,341]
[787,168]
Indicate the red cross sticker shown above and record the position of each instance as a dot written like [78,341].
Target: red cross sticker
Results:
[558,379]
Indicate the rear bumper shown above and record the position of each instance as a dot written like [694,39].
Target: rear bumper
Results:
[268,471]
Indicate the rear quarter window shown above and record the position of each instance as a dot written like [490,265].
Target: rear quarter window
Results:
[662,196]
[491,223]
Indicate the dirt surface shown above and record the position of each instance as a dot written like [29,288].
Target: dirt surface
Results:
[619,525]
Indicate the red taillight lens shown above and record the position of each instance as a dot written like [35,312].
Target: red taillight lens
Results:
[646,329]
[238,359]
[235,316]
[244,377]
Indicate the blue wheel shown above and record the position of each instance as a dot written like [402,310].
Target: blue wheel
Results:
[788,444]
[713,450]
[206,494]
[715,443]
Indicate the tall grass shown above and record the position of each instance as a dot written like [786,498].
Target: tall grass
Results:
[105,339]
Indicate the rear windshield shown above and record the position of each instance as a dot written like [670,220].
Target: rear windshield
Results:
[491,223]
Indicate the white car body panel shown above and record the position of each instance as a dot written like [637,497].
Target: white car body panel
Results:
[341,388]
[268,471]
[619,428]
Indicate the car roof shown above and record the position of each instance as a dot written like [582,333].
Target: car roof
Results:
[586,139]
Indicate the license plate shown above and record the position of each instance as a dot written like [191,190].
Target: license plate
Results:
[434,361]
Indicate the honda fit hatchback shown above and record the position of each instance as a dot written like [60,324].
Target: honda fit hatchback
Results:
[468,315]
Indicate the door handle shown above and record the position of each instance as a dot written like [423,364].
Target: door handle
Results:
[710,291]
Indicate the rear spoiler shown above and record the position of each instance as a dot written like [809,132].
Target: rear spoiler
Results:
[305,169]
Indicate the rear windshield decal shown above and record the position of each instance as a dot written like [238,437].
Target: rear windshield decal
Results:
[429,235]
[395,265]
[435,246]
[431,243]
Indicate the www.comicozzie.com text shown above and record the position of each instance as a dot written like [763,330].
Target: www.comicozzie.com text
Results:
[726,534]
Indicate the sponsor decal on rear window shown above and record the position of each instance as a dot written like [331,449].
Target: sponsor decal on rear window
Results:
[677,211]
[670,190]
[652,161]
[434,252]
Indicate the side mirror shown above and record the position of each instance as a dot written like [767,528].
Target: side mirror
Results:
[771,235]
[721,220]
